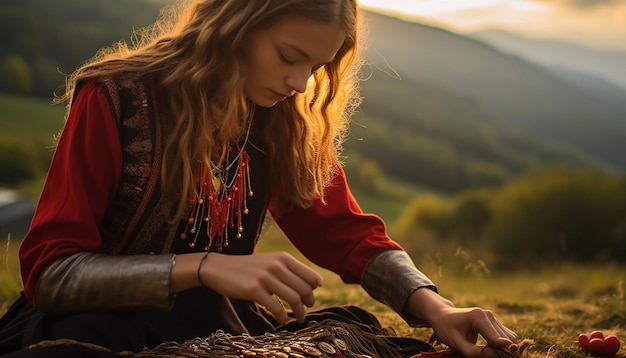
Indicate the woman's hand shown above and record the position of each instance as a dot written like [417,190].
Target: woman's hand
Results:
[459,327]
[257,277]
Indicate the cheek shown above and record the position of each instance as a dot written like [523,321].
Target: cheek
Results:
[263,65]
[263,60]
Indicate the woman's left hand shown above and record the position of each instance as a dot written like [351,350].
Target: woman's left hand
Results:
[459,328]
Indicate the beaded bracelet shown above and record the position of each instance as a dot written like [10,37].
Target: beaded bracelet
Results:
[200,267]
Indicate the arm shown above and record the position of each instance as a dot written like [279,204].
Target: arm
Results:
[418,302]
[62,267]
[340,237]
[459,328]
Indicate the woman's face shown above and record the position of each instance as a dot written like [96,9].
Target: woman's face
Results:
[284,56]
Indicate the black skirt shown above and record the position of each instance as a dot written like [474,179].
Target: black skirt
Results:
[200,312]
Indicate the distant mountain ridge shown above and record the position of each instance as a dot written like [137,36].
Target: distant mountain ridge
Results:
[511,90]
[609,65]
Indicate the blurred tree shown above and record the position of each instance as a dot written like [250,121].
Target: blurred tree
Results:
[428,212]
[471,215]
[19,162]
[556,214]
[481,173]
[15,75]
[560,213]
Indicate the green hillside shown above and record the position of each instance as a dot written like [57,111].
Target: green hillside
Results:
[26,117]
[28,126]
[42,39]
[512,91]
[424,134]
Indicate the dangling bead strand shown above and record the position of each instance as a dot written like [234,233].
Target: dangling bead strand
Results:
[221,204]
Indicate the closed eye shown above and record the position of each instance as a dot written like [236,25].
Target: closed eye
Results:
[284,59]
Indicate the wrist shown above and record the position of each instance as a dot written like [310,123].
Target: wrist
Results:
[426,304]
[199,272]
[184,273]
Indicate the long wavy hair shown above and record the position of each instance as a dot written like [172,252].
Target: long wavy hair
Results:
[197,52]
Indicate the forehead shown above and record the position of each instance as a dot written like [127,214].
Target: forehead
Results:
[319,40]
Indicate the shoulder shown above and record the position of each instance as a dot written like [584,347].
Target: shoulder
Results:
[123,91]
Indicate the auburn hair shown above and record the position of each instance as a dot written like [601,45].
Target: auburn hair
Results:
[197,54]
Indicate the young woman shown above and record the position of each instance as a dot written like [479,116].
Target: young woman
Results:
[173,152]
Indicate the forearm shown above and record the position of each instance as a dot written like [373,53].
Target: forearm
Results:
[424,305]
[88,281]
[185,272]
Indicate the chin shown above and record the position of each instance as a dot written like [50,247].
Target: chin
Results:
[264,102]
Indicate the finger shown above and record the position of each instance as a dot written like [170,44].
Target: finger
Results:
[502,330]
[485,352]
[301,287]
[474,351]
[505,331]
[289,296]
[466,345]
[511,335]
[491,329]
[284,271]
[299,277]
[276,309]
[473,337]
[309,275]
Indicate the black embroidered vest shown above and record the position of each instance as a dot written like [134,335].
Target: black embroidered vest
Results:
[137,221]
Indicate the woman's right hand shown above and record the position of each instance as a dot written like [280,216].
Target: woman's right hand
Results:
[257,277]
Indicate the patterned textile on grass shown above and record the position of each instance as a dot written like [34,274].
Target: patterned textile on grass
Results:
[326,339]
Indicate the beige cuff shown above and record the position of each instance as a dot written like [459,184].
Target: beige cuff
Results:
[88,281]
[391,277]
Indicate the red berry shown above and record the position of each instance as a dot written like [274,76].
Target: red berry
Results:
[611,345]
[596,347]
[596,334]
[583,342]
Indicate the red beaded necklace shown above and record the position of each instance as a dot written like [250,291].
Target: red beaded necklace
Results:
[221,201]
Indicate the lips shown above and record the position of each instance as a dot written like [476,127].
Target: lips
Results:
[281,95]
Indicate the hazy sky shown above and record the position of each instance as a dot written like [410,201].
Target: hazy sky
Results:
[598,23]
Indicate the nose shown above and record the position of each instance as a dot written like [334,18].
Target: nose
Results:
[297,81]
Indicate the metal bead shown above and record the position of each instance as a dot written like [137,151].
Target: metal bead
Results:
[340,344]
[313,352]
[327,347]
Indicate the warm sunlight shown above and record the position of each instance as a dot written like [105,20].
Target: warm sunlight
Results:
[597,24]
[429,7]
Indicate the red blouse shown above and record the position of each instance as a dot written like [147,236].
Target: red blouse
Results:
[84,176]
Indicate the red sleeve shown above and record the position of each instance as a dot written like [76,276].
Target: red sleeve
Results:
[81,182]
[337,236]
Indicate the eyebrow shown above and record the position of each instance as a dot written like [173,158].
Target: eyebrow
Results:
[305,54]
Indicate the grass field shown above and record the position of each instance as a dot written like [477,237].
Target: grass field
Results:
[551,306]
[24,117]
